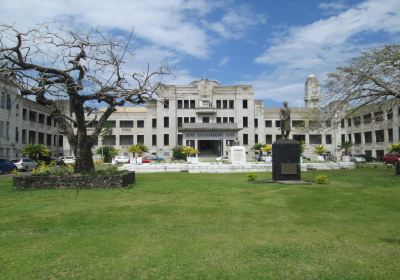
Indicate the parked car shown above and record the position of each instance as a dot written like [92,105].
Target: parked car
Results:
[223,158]
[121,159]
[6,166]
[392,158]
[69,160]
[25,164]
[357,158]
[147,159]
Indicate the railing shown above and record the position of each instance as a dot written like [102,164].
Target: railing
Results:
[206,110]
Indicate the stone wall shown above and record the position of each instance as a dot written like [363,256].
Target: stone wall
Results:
[74,181]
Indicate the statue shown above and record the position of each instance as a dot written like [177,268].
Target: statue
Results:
[284,115]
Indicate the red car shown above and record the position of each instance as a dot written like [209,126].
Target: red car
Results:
[391,158]
[147,159]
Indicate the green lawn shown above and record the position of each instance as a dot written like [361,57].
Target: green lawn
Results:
[206,226]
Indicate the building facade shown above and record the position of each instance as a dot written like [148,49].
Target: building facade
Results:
[211,117]
[23,122]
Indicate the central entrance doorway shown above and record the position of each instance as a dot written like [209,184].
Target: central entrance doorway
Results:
[209,148]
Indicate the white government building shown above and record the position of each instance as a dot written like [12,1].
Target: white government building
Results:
[23,122]
[210,117]
[205,115]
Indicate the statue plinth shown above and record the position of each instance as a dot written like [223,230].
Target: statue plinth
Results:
[286,160]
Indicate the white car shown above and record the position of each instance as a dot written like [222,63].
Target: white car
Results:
[121,159]
[25,164]
[69,160]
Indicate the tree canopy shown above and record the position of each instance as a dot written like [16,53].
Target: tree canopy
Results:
[85,70]
[373,79]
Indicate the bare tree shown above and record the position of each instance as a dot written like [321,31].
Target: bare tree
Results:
[372,79]
[86,69]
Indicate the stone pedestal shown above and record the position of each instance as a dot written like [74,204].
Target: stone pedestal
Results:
[286,160]
[237,154]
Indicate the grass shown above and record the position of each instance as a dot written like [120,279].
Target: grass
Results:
[206,226]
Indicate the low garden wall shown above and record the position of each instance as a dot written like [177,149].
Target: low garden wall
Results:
[227,168]
[73,181]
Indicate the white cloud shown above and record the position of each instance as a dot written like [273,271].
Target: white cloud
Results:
[236,22]
[223,61]
[336,6]
[322,46]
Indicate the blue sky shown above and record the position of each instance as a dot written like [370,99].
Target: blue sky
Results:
[272,45]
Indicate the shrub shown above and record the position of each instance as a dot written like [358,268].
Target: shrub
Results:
[394,148]
[251,176]
[177,153]
[319,149]
[138,149]
[107,152]
[321,179]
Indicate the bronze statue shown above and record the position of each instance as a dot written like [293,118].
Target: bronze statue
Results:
[284,115]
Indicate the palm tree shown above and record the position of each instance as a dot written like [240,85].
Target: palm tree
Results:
[319,149]
[138,149]
[346,146]
[35,151]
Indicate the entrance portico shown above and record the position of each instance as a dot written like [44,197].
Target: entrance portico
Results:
[210,139]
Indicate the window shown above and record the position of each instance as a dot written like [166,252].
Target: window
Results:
[205,103]
[126,124]
[357,121]
[219,104]
[180,139]
[154,140]
[299,137]
[348,122]
[109,140]
[277,123]
[60,140]
[7,130]
[111,124]
[245,122]
[166,104]
[154,123]
[166,121]
[32,137]
[268,123]
[255,138]
[186,104]
[24,114]
[368,137]
[315,139]
[206,119]
[225,119]
[218,119]
[231,119]
[192,104]
[48,139]
[379,136]
[245,139]
[1,129]
[166,139]
[126,140]
[390,135]
[16,135]
[3,100]
[23,140]
[8,102]
[179,104]
[48,120]
[268,139]
[55,123]
[343,138]
[179,121]
[225,104]
[255,122]
[389,115]
[186,120]
[190,143]
[349,137]
[298,123]
[231,104]
[140,139]
[192,119]
[378,116]
[41,118]
[278,136]
[367,119]
[17,109]
[357,138]
[244,103]
[32,116]
[328,139]
[140,123]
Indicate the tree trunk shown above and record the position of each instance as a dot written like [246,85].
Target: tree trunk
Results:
[83,153]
